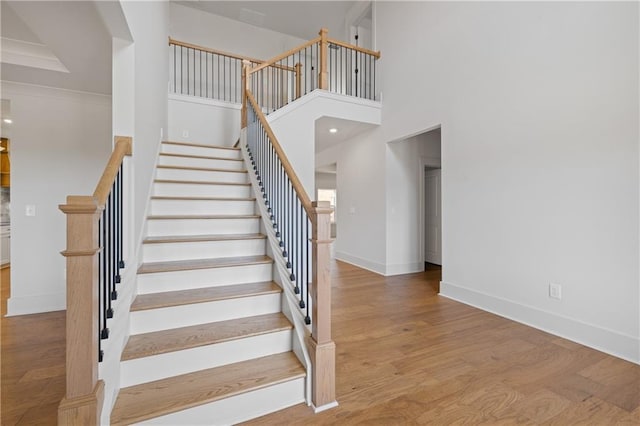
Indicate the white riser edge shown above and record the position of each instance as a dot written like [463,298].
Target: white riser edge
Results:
[197,150]
[166,227]
[238,408]
[199,190]
[203,207]
[212,163]
[164,252]
[202,313]
[201,175]
[148,369]
[199,278]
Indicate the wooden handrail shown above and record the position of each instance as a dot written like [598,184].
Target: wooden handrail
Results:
[290,52]
[351,46]
[122,147]
[295,182]
[214,51]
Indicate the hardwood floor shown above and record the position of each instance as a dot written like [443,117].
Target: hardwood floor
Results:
[408,356]
[404,356]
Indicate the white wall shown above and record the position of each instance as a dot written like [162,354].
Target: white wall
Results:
[539,110]
[149,25]
[205,121]
[60,143]
[325,180]
[220,33]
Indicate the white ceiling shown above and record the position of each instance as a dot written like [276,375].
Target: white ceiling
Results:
[38,34]
[347,129]
[302,19]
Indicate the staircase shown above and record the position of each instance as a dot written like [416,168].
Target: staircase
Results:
[209,343]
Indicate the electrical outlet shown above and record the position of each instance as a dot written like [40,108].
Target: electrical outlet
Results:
[185,133]
[555,291]
[30,210]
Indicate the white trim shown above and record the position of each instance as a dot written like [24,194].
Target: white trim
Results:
[599,338]
[36,304]
[40,91]
[319,93]
[404,268]
[204,101]
[324,407]
[378,268]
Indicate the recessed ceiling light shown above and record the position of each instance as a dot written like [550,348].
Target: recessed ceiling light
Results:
[8,120]
[333,130]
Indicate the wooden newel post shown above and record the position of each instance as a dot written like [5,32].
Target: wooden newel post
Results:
[323,74]
[246,65]
[82,404]
[298,68]
[321,348]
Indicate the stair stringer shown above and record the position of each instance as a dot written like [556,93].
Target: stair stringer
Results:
[290,309]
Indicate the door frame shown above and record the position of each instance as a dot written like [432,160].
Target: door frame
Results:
[424,162]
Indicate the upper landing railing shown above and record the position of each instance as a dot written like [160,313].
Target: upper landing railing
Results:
[321,63]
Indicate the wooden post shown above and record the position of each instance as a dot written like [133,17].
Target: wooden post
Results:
[323,74]
[84,396]
[298,68]
[245,86]
[321,348]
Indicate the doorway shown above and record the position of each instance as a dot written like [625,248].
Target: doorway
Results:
[430,205]
[432,216]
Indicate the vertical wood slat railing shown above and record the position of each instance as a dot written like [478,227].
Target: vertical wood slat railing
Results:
[302,228]
[94,257]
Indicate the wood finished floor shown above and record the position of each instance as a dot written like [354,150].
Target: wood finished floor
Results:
[404,356]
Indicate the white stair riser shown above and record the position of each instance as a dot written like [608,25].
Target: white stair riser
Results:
[165,189]
[211,163]
[201,175]
[148,369]
[202,207]
[166,227]
[203,151]
[201,313]
[238,408]
[199,278]
[163,252]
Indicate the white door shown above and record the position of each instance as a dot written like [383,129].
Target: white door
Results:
[432,217]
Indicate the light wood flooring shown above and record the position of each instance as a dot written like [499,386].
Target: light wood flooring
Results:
[404,356]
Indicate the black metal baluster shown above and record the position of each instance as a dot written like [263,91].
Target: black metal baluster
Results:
[121,191]
[104,333]
[307,319]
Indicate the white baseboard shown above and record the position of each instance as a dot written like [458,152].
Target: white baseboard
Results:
[404,268]
[602,339]
[36,304]
[378,268]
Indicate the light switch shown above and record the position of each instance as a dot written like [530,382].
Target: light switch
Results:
[30,210]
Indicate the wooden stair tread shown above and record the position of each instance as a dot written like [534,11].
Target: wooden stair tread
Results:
[183,265]
[161,397]
[199,182]
[164,341]
[219,216]
[201,238]
[205,157]
[201,145]
[205,169]
[200,295]
[164,197]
